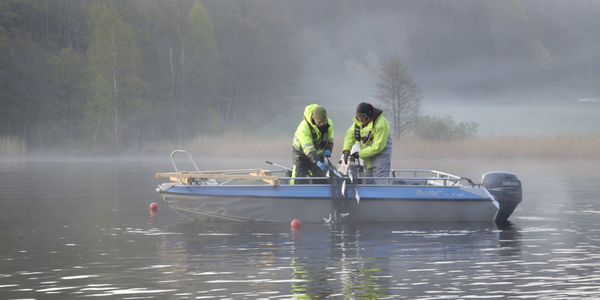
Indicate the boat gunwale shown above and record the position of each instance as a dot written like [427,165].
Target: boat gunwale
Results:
[264,175]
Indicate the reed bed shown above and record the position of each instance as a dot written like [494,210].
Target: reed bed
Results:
[510,146]
[10,146]
[561,146]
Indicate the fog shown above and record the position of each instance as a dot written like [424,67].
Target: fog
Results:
[188,69]
[470,50]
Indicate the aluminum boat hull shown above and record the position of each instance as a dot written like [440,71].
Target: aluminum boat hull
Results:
[314,203]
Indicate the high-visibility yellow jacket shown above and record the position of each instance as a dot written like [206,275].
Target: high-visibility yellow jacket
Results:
[309,140]
[375,140]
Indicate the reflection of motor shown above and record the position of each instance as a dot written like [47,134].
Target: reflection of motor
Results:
[510,239]
[506,188]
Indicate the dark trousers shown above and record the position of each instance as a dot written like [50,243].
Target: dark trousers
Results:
[303,167]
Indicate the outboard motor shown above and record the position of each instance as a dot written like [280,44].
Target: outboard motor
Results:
[506,188]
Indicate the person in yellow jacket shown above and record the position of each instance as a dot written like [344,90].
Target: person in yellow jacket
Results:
[372,130]
[313,142]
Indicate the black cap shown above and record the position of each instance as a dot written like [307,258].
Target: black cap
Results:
[365,108]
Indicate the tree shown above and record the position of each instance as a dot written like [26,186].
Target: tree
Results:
[399,94]
[30,63]
[68,76]
[444,129]
[115,62]
[187,48]
[260,58]
[201,57]
[238,37]
[8,114]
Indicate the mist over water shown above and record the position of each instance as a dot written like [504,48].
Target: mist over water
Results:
[73,229]
[564,117]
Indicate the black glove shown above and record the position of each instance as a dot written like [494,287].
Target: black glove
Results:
[355,155]
[346,154]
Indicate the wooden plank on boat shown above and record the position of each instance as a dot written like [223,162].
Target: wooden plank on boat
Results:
[266,173]
[228,171]
[212,174]
[187,176]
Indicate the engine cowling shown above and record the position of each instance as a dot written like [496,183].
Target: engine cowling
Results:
[506,188]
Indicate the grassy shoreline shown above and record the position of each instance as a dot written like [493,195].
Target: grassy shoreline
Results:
[562,146]
[556,146]
[10,146]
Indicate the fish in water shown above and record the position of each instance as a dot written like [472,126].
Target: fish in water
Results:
[333,219]
[350,175]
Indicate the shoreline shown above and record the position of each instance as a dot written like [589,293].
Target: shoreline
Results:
[235,146]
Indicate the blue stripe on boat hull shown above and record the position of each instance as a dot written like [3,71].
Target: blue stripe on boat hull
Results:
[321,191]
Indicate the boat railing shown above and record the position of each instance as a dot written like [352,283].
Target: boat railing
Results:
[181,179]
[416,172]
[404,177]
[188,155]
[433,177]
[412,177]
[388,180]
[221,177]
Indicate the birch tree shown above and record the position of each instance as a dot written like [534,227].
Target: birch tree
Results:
[399,94]
[114,63]
[202,66]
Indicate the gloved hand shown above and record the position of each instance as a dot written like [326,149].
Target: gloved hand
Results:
[324,167]
[346,154]
[355,155]
[327,153]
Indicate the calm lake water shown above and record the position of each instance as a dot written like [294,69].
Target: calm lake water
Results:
[74,229]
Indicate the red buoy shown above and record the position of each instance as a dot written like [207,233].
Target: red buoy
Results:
[295,223]
[153,206]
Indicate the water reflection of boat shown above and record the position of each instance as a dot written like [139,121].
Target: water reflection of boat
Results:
[510,240]
[345,271]
[258,195]
[323,261]
[370,261]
